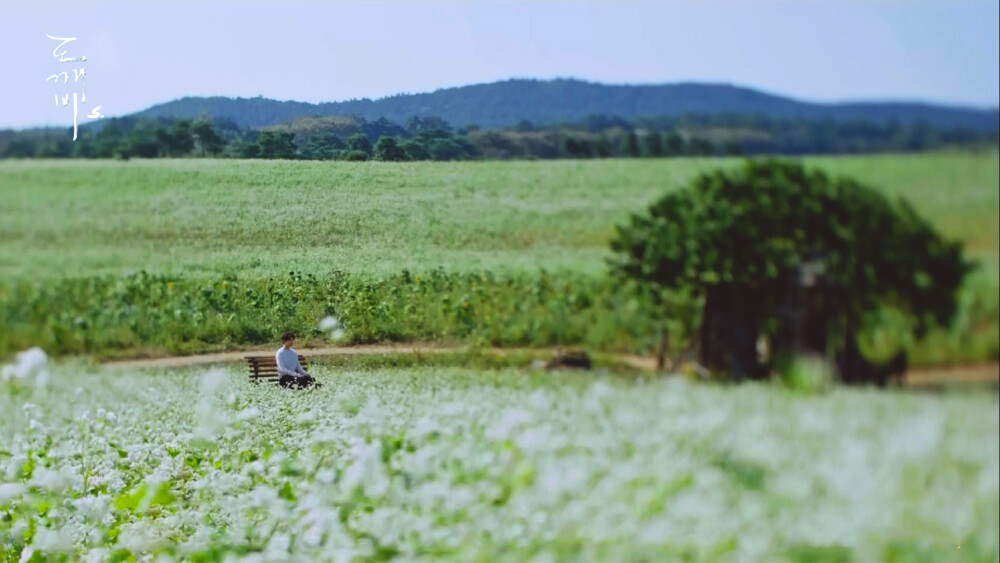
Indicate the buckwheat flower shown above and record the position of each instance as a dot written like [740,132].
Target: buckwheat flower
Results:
[211,417]
[318,520]
[254,467]
[29,364]
[212,380]
[595,397]
[366,469]
[107,415]
[49,540]
[277,547]
[138,536]
[540,401]
[534,439]
[19,527]
[425,426]
[97,508]
[96,555]
[11,491]
[15,465]
[58,480]
[332,325]
[248,413]
[262,496]
[511,421]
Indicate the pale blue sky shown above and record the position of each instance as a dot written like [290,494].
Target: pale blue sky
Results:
[143,53]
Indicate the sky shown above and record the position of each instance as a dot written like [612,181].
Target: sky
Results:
[143,53]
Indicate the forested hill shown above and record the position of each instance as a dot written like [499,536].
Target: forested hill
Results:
[506,103]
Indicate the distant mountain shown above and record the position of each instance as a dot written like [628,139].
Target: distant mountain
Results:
[505,103]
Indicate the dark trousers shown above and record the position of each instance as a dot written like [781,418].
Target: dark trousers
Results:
[300,382]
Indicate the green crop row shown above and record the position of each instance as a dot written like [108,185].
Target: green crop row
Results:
[149,314]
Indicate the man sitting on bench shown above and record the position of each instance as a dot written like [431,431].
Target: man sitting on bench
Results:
[290,371]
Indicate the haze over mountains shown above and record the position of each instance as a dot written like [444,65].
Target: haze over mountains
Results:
[506,103]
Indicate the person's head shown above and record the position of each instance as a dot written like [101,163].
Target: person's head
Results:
[288,339]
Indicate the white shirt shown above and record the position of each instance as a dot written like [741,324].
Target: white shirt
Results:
[288,362]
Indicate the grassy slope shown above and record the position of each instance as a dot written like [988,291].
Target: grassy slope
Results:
[259,218]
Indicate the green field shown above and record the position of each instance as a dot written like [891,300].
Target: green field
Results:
[460,456]
[477,465]
[181,256]
[261,218]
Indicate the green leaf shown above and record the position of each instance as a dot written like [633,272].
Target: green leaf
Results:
[163,496]
[131,500]
[286,492]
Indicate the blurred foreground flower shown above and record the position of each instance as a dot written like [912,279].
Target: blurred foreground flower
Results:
[209,417]
[332,325]
[30,365]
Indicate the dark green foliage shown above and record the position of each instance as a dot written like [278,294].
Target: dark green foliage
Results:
[700,147]
[575,148]
[207,139]
[602,146]
[653,142]
[145,142]
[749,230]
[20,148]
[629,145]
[108,139]
[249,150]
[276,144]
[356,156]
[179,139]
[675,144]
[428,124]
[322,138]
[415,150]
[359,142]
[381,127]
[325,146]
[388,149]
[446,149]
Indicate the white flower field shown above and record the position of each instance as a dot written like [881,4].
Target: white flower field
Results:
[446,463]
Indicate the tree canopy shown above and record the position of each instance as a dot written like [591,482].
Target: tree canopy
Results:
[754,227]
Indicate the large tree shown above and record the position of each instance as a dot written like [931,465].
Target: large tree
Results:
[208,139]
[359,142]
[629,145]
[276,144]
[388,149]
[742,238]
[653,144]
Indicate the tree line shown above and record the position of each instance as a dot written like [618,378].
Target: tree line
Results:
[433,138]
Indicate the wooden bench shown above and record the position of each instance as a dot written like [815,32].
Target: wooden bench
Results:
[266,367]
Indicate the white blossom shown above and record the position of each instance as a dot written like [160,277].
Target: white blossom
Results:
[454,463]
[29,365]
[332,326]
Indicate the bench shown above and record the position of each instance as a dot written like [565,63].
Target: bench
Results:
[266,367]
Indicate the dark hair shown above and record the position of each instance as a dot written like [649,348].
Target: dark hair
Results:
[287,336]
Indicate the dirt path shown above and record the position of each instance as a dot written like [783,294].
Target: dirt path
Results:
[923,377]
[228,357]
